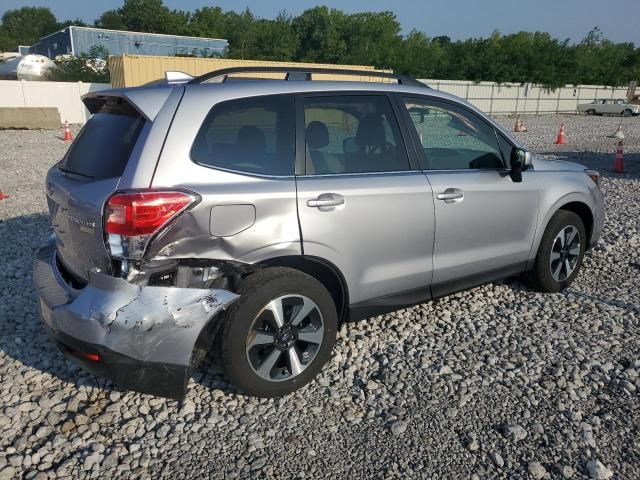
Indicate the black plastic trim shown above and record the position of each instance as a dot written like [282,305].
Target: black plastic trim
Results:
[389,303]
[304,74]
[298,262]
[300,167]
[396,301]
[161,379]
[464,283]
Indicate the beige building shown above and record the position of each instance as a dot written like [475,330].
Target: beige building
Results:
[135,70]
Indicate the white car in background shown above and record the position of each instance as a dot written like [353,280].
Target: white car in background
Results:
[603,106]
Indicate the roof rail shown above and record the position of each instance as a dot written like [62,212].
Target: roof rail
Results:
[303,73]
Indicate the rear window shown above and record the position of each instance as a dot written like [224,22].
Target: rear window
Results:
[104,145]
[253,135]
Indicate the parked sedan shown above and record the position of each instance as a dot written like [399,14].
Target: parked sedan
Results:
[603,106]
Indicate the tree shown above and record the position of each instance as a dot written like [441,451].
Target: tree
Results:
[68,23]
[373,38]
[240,31]
[150,16]
[26,26]
[111,19]
[87,67]
[208,22]
[420,56]
[320,32]
[327,35]
[276,39]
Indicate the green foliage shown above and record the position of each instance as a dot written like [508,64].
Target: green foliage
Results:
[26,26]
[112,20]
[327,35]
[276,39]
[145,16]
[90,67]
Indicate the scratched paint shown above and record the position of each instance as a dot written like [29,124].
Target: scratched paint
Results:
[147,323]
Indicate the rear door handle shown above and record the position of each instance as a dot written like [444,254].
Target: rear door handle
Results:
[326,201]
[451,195]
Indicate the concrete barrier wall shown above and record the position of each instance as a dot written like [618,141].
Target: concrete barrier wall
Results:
[515,98]
[29,118]
[65,96]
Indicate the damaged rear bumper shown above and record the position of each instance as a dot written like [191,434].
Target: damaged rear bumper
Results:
[141,337]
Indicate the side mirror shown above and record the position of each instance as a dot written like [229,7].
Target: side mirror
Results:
[520,160]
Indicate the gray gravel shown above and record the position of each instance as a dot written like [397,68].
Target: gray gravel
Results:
[496,382]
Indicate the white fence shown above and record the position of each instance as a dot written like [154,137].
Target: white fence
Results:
[490,97]
[63,95]
[514,98]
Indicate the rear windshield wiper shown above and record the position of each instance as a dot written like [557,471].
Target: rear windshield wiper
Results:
[73,172]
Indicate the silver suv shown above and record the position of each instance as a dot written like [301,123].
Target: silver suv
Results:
[248,218]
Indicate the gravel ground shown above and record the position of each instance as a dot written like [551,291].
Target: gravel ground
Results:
[496,382]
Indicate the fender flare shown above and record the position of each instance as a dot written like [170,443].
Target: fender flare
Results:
[573,197]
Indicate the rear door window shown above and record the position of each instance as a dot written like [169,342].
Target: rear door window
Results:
[104,144]
[253,135]
[352,134]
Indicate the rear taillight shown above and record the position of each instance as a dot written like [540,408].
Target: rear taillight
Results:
[132,218]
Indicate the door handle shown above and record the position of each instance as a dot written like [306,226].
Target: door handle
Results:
[326,201]
[451,195]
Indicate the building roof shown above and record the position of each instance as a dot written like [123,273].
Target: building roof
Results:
[128,32]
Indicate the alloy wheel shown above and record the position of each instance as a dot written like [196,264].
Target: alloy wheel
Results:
[285,337]
[565,252]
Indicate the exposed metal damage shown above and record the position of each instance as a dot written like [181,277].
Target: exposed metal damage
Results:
[201,273]
[147,323]
[144,322]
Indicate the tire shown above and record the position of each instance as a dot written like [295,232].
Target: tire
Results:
[627,113]
[251,320]
[590,112]
[544,276]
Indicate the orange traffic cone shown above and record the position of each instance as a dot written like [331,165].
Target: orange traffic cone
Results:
[618,162]
[67,132]
[561,139]
[3,196]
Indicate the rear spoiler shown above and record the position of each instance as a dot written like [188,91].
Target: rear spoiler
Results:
[146,100]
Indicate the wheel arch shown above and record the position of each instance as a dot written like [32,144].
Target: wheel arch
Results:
[570,203]
[322,270]
[584,212]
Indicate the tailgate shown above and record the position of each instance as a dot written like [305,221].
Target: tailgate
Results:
[79,185]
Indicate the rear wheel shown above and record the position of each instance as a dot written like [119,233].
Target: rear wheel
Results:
[280,332]
[591,111]
[560,253]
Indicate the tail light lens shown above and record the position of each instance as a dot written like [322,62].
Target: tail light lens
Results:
[132,218]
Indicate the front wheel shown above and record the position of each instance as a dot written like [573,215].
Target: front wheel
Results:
[627,113]
[560,253]
[590,112]
[279,334]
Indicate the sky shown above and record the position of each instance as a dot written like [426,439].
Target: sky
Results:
[459,19]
